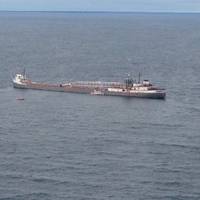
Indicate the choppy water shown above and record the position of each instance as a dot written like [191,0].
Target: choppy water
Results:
[70,146]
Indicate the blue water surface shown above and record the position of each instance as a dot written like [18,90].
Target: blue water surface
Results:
[71,146]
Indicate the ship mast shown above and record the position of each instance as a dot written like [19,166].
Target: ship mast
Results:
[139,76]
[24,73]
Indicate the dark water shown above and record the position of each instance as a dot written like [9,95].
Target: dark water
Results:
[71,146]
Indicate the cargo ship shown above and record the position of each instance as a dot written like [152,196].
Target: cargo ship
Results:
[128,88]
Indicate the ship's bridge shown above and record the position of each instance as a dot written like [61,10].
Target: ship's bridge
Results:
[19,76]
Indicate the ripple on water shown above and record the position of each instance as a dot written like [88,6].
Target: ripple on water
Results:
[31,196]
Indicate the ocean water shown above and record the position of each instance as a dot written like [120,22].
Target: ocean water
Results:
[71,146]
